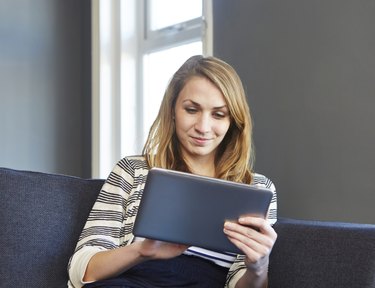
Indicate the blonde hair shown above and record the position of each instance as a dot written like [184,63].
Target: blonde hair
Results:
[234,158]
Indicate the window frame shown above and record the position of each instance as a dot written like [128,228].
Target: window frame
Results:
[118,130]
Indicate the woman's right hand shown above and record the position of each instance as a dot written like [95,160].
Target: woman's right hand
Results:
[154,249]
[109,263]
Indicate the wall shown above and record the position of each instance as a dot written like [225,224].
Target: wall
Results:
[309,71]
[45,86]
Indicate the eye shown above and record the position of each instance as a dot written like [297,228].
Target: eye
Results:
[190,110]
[219,115]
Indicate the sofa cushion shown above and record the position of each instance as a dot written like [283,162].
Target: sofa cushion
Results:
[310,254]
[41,217]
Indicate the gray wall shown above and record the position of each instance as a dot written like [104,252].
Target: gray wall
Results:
[45,85]
[309,70]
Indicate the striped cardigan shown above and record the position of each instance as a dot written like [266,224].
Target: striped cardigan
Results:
[111,219]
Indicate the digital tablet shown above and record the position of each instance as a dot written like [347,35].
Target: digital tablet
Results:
[189,209]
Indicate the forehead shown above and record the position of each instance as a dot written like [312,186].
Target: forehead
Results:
[201,89]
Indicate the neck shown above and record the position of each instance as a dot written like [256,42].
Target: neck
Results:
[203,167]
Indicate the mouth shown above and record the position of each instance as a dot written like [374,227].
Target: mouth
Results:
[200,141]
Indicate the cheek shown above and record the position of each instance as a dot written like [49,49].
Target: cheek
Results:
[181,128]
[222,128]
[183,124]
[178,125]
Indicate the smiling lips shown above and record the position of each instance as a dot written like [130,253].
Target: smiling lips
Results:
[200,141]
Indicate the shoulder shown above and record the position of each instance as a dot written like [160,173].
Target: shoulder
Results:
[136,161]
[129,171]
[263,181]
[129,168]
[133,163]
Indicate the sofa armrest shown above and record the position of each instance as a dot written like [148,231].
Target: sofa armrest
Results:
[322,254]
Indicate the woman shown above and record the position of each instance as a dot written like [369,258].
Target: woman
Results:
[203,127]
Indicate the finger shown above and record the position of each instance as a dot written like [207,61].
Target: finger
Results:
[252,255]
[246,237]
[251,242]
[246,231]
[260,224]
[254,260]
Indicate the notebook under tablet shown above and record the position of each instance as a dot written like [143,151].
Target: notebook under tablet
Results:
[190,209]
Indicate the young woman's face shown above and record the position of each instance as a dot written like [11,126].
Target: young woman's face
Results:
[202,119]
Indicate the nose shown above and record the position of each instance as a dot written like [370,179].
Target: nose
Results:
[203,123]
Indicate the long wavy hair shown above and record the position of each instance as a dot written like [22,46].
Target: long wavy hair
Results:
[234,157]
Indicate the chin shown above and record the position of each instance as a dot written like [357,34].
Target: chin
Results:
[202,153]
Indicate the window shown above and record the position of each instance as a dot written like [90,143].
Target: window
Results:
[137,45]
[158,68]
[167,13]
[173,32]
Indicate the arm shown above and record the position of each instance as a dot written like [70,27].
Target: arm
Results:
[105,247]
[109,263]
[111,212]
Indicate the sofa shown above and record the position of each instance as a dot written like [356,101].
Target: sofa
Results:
[42,215]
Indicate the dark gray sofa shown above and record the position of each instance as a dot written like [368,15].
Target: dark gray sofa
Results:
[42,215]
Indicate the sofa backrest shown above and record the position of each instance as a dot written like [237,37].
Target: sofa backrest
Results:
[41,218]
[311,254]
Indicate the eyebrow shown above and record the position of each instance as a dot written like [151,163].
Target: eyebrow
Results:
[197,104]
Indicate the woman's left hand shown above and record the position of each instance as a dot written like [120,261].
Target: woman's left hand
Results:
[255,237]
